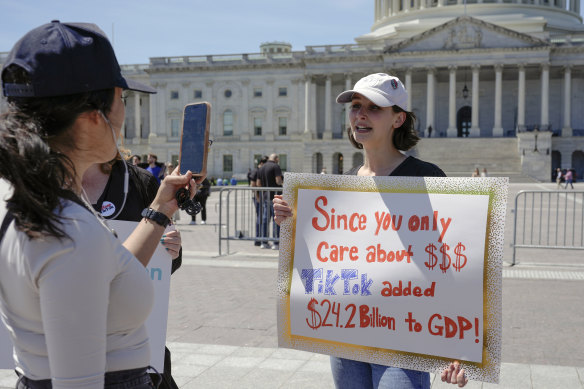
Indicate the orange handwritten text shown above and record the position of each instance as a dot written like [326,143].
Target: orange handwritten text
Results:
[380,255]
[336,253]
[353,222]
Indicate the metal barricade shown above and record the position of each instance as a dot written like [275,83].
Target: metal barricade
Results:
[245,214]
[548,220]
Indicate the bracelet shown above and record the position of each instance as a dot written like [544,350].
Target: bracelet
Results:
[155,216]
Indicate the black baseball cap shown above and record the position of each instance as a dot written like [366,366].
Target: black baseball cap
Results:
[65,59]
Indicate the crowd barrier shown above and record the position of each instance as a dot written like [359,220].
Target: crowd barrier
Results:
[548,220]
[245,215]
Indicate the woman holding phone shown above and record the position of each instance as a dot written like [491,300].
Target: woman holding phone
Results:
[73,297]
[383,127]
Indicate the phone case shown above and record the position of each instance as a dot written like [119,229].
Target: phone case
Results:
[194,141]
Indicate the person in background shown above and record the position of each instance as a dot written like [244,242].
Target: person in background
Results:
[569,179]
[104,185]
[383,128]
[201,196]
[476,173]
[323,171]
[269,175]
[559,177]
[484,172]
[157,169]
[136,160]
[74,298]
[256,197]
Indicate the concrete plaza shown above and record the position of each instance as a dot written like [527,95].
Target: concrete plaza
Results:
[222,327]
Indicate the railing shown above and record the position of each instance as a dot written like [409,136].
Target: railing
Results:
[245,214]
[549,220]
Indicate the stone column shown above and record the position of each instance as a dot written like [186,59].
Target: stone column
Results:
[328,108]
[137,118]
[567,128]
[406,5]
[210,97]
[545,94]
[348,85]
[521,99]
[386,8]
[377,8]
[269,125]
[395,7]
[409,88]
[244,123]
[498,129]
[475,129]
[452,130]
[158,113]
[441,3]
[309,128]
[430,100]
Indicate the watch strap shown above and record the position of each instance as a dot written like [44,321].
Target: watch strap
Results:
[155,216]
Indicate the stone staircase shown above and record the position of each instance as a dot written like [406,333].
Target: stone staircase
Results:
[458,157]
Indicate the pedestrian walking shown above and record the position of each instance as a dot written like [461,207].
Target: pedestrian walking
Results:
[559,177]
[569,178]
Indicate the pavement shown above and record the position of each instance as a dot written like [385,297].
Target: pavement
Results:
[222,327]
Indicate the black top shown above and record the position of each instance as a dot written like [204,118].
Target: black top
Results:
[141,192]
[267,175]
[411,167]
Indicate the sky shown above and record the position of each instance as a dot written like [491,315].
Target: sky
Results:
[140,29]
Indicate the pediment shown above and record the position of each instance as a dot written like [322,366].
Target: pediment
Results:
[466,32]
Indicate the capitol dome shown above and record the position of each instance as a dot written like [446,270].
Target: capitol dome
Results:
[396,20]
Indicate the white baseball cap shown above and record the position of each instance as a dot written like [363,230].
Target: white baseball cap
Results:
[382,89]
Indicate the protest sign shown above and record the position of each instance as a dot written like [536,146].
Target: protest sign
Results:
[401,271]
[158,270]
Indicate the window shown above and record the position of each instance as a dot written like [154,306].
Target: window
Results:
[174,95]
[227,93]
[227,163]
[257,92]
[257,126]
[198,94]
[283,162]
[282,126]
[227,123]
[174,127]
[283,91]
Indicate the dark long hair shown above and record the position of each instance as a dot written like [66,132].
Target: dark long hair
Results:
[404,137]
[33,135]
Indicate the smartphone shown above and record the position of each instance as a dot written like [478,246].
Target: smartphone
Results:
[194,140]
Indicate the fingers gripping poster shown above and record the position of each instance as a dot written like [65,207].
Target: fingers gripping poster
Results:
[399,271]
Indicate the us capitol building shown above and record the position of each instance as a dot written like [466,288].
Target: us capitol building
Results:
[500,82]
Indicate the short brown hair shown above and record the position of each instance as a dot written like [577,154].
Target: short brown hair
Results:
[404,137]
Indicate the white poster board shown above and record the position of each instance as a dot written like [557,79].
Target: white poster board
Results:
[402,271]
[158,270]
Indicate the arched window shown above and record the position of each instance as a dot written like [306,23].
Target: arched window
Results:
[227,123]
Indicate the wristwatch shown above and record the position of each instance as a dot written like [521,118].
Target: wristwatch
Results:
[157,217]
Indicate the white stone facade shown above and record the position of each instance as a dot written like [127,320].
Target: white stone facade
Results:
[521,61]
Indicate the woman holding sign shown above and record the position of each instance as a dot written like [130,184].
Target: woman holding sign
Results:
[73,297]
[383,127]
